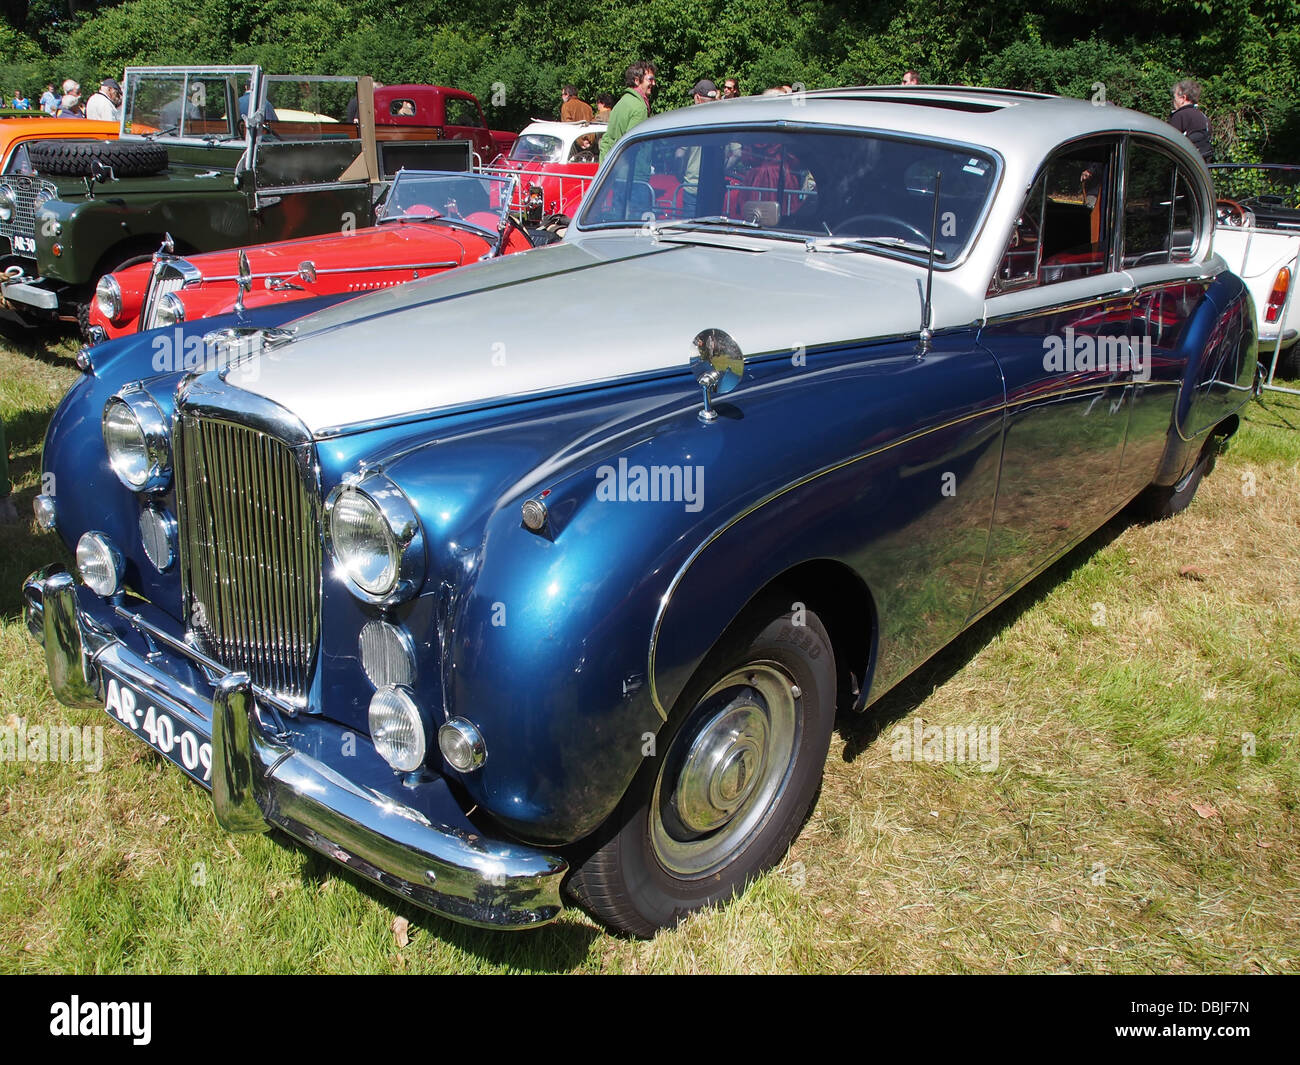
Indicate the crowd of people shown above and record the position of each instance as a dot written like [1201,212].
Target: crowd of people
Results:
[639,80]
[103,105]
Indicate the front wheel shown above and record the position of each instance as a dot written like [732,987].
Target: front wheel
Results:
[735,774]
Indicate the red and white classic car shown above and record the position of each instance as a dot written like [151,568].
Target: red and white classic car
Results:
[555,162]
[430,222]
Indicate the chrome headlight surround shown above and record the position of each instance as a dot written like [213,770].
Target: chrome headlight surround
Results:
[169,310]
[145,463]
[400,541]
[43,196]
[8,204]
[108,298]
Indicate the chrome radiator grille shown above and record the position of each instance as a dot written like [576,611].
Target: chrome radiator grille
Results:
[25,190]
[250,551]
[164,278]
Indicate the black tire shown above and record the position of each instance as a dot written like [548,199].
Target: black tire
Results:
[1158,503]
[1288,361]
[667,852]
[77,158]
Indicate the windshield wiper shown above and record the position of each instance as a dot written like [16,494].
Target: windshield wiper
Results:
[705,220]
[865,243]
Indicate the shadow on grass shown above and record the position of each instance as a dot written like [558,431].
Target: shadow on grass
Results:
[549,948]
[1278,410]
[860,731]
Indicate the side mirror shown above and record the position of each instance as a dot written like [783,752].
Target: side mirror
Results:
[307,271]
[718,366]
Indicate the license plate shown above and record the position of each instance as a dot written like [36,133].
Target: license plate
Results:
[164,732]
[27,244]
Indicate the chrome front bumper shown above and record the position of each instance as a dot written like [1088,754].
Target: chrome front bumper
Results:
[260,778]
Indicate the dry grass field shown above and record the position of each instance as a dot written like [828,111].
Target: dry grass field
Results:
[1142,816]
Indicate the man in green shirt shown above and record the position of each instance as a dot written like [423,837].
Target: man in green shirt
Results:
[634,106]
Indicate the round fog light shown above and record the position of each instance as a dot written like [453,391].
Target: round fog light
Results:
[99,563]
[462,744]
[397,729]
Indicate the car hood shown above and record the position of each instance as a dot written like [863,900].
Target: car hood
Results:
[391,245]
[572,315]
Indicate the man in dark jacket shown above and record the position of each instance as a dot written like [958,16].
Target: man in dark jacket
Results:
[1190,119]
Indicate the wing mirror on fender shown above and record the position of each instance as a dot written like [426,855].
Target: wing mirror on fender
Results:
[718,366]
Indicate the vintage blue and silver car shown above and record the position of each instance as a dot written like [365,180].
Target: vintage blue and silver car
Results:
[570,610]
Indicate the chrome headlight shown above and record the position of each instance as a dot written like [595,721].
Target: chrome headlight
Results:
[108,297]
[135,435]
[375,537]
[44,196]
[8,205]
[169,310]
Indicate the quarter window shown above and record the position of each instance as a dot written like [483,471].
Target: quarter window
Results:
[1161,215]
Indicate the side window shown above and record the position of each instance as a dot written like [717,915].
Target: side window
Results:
[1148,206]
[1064,230]
[462,112]
[401,108]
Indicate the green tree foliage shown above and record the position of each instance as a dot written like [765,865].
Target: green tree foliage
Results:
[514,54]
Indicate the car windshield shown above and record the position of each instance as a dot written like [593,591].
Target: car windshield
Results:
[846,186]
[1271,192]
[536,148]
[185,104]
[476,200]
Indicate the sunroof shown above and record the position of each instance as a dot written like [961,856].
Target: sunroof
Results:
[976,106]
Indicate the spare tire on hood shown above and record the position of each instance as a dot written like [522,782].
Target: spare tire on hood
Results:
[77,158]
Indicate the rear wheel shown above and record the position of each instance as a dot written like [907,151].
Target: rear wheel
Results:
[735,774]
[1158,503]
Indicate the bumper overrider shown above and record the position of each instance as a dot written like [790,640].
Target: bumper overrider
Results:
[287,775]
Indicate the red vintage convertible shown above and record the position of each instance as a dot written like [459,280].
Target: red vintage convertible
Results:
[430,222]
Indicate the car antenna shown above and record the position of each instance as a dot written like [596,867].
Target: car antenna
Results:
[927,309]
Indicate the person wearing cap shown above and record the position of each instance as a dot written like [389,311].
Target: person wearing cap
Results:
[705,91]
[105,105]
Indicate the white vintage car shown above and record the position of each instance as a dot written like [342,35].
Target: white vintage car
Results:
[554,163]
[1258,236]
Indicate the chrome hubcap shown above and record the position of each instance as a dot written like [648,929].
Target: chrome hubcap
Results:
[722,767]
[725,770]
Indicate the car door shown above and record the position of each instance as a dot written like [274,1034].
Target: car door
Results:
[465,122]
[1057,319]
[1163,254]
